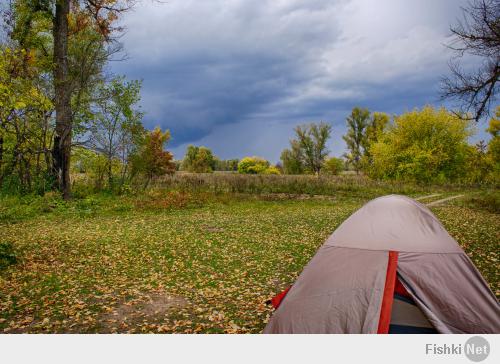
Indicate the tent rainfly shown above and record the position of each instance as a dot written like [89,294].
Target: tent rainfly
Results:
[391,267]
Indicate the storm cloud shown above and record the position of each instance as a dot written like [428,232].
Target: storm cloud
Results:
[238,75]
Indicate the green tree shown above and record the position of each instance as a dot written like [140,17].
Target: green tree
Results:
[333,166]
[311,139]
[198,160]
[92,165]
[293,159]
[356,138]
[24,119]
[226,164]
[116,124]
[479,165]
[253,165]
[375,129]
[494,144]
[425,145]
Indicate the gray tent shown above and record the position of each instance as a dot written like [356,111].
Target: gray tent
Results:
[351,284]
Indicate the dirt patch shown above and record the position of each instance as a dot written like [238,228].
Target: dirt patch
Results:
[128,315]
[212,229]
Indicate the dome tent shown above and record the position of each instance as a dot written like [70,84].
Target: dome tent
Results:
[392,243]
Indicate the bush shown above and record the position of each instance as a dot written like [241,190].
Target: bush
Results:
[333,166]
[7,255]
[252,165]
[489,201]
[271,170]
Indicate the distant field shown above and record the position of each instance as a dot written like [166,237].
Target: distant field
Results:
[182,262]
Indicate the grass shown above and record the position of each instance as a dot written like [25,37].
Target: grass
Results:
[352,184]
[179,262]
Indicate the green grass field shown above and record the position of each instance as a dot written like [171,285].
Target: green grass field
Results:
[176,262]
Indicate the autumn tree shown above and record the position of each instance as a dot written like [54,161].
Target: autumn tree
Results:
[477,35]
[355,137]
[151,160]
[426,145]
[54,27]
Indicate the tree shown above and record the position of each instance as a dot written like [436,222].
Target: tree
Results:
[494,144]
[333,166]
[478,164]
[425,146]
[477,35]
[311,139]
[24,111]
[198,160]
[293,159]
[253,165]
[151,160]
[90,163]
[226,164]
[375,129]
[66,18]
[355,138]
[116,124]
[232,165]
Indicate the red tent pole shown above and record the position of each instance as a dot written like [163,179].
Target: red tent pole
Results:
[388,296]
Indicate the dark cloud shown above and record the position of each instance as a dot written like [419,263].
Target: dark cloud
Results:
[237,76]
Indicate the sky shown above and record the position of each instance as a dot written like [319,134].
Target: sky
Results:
[238,75]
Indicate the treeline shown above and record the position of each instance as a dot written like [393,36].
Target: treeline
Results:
[425,146]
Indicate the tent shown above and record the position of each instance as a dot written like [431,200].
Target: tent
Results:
[391,267]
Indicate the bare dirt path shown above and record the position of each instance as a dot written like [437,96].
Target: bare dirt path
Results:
[428,196]
[438,202]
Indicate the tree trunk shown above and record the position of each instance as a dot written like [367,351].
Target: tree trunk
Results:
[61,151]
[110,174]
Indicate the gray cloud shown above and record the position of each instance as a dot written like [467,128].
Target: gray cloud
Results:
[237,75]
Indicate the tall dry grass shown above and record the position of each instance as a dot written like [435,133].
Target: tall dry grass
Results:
[289,184]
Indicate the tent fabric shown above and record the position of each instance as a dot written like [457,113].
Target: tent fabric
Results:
[451,292]
[341,290]
[331,295]
[394,223]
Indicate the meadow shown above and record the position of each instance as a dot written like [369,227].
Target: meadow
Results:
[194,253]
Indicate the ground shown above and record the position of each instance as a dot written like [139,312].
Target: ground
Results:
[168,265]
